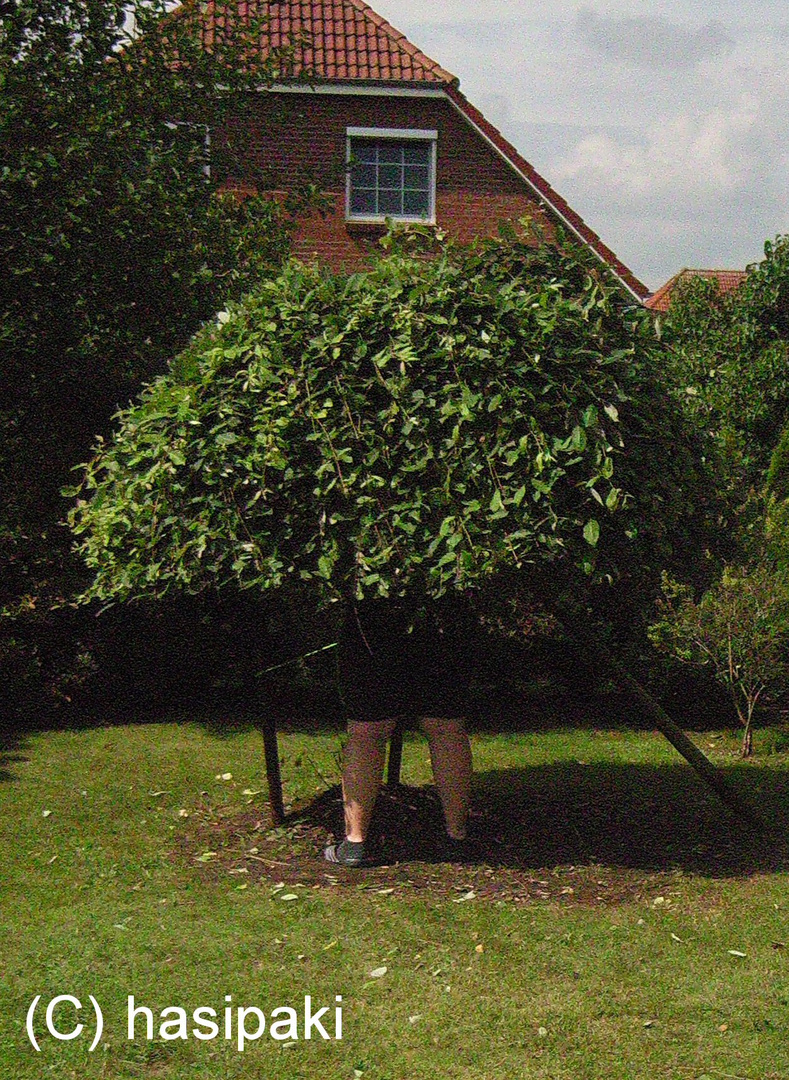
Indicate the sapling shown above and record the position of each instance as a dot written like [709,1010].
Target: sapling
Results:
[739,628]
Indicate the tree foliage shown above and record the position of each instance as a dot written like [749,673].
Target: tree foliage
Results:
[729,362]
[114,243]
[729,365]
[414,429]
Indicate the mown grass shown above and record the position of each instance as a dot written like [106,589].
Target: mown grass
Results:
[102,895]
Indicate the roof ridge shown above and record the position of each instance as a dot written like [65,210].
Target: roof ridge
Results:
[709,270]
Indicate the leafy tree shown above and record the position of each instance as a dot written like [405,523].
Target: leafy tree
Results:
[428,426]
[776,499]
[114,240]
[728,360]
[116,244]
[730,368]
[739,628]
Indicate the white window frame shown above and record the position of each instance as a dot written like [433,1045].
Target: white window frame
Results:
[399,135]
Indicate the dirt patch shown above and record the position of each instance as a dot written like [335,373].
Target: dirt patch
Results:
[513,856]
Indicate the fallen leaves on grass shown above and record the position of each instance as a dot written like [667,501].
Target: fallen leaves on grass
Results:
[406,834]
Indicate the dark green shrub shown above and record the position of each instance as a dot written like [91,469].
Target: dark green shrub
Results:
[420,428]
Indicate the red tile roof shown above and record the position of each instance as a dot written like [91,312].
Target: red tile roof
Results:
[331,39]
[728,281]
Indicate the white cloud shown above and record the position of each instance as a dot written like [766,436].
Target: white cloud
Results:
[688,156]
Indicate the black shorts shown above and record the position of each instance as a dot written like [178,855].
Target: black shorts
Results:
[393,663]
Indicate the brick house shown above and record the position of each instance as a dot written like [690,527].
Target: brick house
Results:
[383,131]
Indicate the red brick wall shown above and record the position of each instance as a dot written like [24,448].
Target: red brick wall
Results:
[290,138]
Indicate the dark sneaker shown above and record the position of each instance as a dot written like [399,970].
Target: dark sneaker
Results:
[346,854]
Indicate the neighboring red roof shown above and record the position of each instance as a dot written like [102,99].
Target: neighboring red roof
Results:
[728,281]
[331,39]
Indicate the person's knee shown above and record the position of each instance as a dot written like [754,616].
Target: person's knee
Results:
[371,732]
[441,727]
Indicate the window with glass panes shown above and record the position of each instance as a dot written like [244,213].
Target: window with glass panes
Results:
[391,177]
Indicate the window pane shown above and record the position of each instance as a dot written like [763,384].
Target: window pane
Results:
[364,152]
[390,202]
[390,176]
[415,178]
[416,204]
[416,153]
[390,151]
[363,176]
[362,202]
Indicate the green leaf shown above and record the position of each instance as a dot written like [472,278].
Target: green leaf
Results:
[592,532]
[578,439]
[590,416]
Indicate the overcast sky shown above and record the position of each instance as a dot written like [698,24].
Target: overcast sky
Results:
[664,124]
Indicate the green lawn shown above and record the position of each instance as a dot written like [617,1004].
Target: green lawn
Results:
[632,930]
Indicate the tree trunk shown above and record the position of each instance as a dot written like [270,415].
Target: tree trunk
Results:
[747,721]
[273,775]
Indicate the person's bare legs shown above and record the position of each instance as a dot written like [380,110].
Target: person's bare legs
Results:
[450,756]
[362,774]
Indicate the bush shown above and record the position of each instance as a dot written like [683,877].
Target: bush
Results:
[424,427]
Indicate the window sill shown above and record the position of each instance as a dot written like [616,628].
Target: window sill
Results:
[378,226]
[365,228]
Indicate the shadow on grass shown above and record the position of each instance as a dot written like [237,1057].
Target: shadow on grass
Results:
[11,742]
[634,817]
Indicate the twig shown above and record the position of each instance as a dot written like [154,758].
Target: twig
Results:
[296,659]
